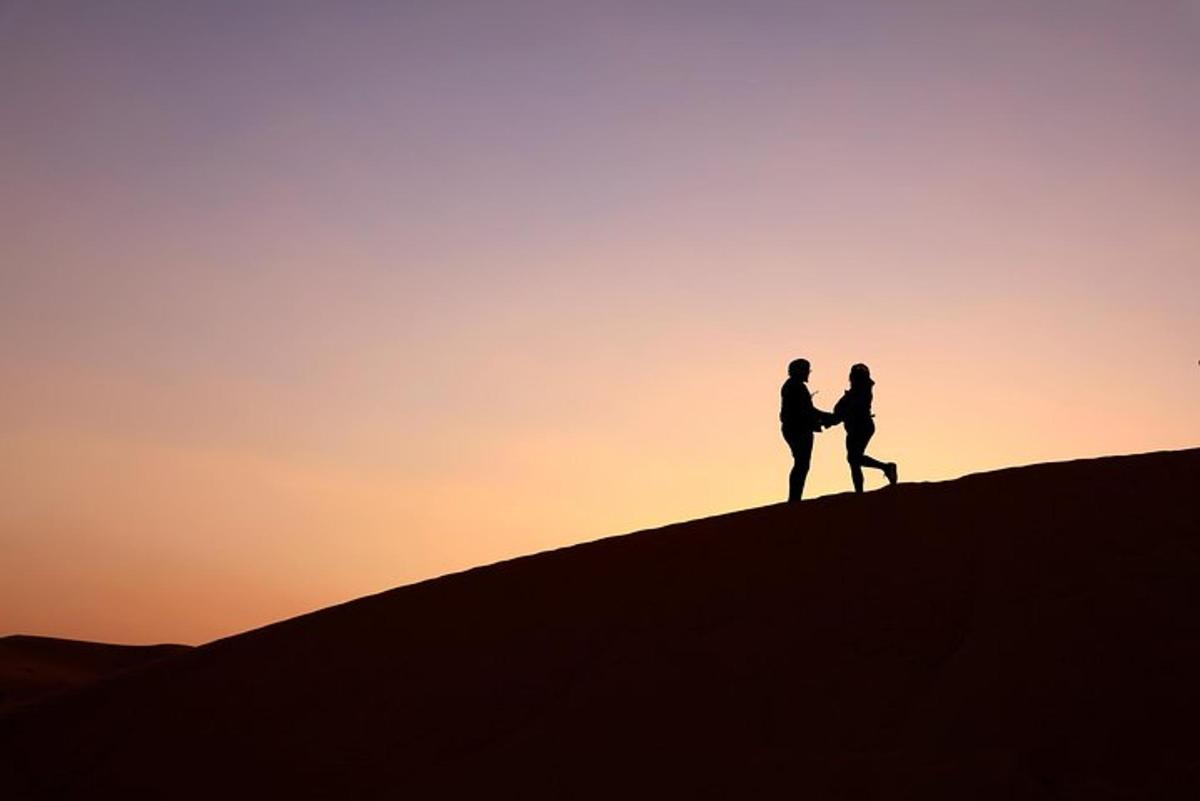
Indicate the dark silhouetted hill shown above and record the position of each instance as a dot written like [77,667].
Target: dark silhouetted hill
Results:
[31,667]
[1027,633]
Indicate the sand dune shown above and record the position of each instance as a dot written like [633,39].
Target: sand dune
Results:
[31,667]
[1028,633]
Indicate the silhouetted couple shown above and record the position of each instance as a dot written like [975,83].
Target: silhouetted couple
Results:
[801,420]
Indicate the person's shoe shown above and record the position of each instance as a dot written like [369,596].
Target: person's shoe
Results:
[889,470]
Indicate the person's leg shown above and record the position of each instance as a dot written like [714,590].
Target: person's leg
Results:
[801,458]
[856,476]
[855,444]
[888,468]
[867,461]
[796,480]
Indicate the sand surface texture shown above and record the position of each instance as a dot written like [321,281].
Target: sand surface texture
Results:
[1027,633]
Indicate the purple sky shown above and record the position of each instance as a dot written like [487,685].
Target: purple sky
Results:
[299,301]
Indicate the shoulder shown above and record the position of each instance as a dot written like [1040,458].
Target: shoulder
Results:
[795,391]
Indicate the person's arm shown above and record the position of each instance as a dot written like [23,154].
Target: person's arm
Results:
[837,416]
[820,418]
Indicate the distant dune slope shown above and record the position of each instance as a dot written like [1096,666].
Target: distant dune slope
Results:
[1028,633]
[33,666]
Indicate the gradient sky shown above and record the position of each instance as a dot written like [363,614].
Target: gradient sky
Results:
[301,301]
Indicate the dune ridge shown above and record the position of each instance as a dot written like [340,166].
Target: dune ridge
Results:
[1029,633]
[32,666]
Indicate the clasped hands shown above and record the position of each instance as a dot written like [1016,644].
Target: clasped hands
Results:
[826,420]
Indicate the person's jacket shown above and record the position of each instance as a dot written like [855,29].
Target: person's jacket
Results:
[854,409]
[796,410]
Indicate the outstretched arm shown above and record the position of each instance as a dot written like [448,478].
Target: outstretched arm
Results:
[823,419]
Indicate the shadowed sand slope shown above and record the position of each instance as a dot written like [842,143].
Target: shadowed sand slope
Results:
[33,666]
[1028,633]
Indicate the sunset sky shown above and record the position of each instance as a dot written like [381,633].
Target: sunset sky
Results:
[301,301]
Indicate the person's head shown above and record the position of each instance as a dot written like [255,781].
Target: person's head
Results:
[860,375]
[799,369]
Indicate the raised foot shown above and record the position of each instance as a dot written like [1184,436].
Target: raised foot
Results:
[892,473]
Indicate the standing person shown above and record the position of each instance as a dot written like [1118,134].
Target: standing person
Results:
[799,420]
[854,411]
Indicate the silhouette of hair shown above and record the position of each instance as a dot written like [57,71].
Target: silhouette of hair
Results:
[860,376]
[798,367]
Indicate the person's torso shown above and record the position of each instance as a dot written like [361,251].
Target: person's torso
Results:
[795,407]
[854,409]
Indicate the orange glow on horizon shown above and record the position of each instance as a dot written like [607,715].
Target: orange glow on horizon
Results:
[300,306]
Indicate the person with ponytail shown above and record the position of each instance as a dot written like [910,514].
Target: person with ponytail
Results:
[854,412]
